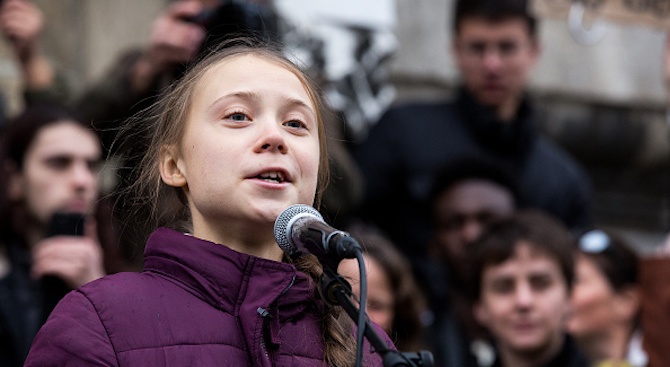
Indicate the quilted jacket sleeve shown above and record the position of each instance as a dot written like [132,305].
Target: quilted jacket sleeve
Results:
[72,336]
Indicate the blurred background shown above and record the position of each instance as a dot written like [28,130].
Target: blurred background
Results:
[603,100]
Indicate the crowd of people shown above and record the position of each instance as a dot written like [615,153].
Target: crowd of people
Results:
[477,231]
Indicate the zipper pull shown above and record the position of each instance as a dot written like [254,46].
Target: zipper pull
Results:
[264,313]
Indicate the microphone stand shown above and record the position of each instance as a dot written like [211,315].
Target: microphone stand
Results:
[337,291]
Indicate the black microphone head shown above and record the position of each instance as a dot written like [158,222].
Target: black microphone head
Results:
[284,223]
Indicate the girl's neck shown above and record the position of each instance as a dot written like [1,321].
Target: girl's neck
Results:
[511,358]
[272,252]
[254,241]
[612,345]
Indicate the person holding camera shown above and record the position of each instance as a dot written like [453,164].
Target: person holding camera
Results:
[177,36]
[21,25]
[51,223]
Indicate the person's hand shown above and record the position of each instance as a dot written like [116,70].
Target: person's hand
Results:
[76,260]
[21,23]
[173,41]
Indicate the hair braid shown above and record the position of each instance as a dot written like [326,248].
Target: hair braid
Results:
[338,341]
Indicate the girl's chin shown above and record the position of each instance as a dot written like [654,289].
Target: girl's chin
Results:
[270,210]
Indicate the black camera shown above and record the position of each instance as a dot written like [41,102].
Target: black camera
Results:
[67,224]
[236,18]
[233,18]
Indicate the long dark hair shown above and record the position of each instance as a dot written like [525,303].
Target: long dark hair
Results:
[15,141]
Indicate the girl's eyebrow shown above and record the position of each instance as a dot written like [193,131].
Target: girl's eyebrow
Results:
[237,95]
[252,96]
[296,103]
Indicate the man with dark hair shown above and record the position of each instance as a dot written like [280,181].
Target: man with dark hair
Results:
[495,47]
[522,275]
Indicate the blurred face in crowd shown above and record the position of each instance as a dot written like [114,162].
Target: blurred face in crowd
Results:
[524,301]
[380,294]
[596,306]
[60,171]
[462,212]
[495,59]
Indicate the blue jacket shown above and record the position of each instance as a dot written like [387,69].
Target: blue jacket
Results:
[195,304]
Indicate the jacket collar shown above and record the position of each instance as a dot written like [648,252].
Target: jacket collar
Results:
[227,279]
[509,138]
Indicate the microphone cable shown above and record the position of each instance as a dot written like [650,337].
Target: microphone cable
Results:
[362,302]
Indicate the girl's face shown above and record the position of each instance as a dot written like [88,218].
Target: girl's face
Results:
[594,302]
[524,301]
[381,300]
[250,148]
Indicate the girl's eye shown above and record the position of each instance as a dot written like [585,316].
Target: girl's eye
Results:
[237,116]
[295,124]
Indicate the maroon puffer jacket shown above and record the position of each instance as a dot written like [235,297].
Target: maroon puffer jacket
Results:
[195,304]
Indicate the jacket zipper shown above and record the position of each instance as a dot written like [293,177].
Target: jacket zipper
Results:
[265,315]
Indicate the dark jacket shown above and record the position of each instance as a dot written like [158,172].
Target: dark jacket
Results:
[569,356]
[411,143]
[25,303]
[195,304]
[21,307]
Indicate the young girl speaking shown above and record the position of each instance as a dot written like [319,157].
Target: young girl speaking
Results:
[237,140]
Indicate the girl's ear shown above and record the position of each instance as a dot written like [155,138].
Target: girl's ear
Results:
[481,314]
[171,173]
[628,302]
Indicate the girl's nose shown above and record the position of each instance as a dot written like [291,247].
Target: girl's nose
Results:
[272,139]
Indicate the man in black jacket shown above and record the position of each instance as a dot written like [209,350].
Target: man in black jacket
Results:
[495,46]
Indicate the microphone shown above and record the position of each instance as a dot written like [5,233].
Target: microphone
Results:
[300,230]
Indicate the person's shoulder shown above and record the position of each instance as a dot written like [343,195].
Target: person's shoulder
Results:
[558,158]
[117,285]
[425,112]
[421,107]
[133,294]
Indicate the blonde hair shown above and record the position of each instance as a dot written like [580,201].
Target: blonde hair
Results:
[157,204]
